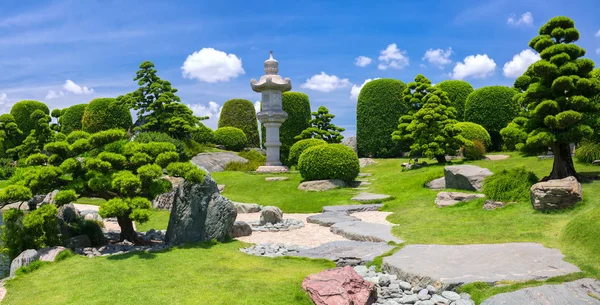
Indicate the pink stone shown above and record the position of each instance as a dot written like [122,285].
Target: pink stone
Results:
[339,286]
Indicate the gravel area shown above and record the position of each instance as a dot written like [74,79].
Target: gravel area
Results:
[373,217]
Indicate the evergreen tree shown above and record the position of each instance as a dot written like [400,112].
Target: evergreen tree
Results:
[9,132]
[322,128]
[37,138]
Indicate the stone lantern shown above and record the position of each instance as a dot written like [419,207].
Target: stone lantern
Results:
[271,86]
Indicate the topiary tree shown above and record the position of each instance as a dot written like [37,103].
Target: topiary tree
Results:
[331,161]
[150,136]
[378,109]
[472,131]
[558,92]
[9,133]
[21,112]
[240,113]
[322,128]
[458,91]
[71,117]
[37,138]
[299,147]
[104,114]
[429,130]
[230,137]
[514,135]
[493,108]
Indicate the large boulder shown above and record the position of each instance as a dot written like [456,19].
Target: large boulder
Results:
[165,201]
[556,194]
[200,213]
[49,199]
[24,259]
[50,254]
[321,185]
[340,286]
[68,213]
[465,177]
[270,214]
[215,162]
[351,142]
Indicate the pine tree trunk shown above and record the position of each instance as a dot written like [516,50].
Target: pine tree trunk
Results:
[127,231]
[563,163]
[441,159]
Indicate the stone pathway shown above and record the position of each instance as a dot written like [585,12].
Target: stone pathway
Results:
[347,252]
[353,208]
[330,218]
[496,157]
[584,291]
[367,197]
[450,266]
[365,231]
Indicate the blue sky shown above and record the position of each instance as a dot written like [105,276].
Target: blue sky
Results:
[68,52]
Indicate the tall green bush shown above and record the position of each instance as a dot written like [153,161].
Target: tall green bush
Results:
[458,91]
[472,131]
[21,111]
[240,113]
[378,109]
[331,161]
[104,114]
[493,108]
[70,118]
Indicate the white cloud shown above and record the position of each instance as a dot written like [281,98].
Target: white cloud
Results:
[72,87]
[519,63]
[54,94]
[325,83]
[257,106]
[438,57]
[598,33]
[5,103]
[355,91]
[392,57]
[213,111]
[478,66]
[363,61]
[525,19]
[211,66]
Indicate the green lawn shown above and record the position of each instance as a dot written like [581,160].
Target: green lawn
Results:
[90,201]
[159,219]
[195,274]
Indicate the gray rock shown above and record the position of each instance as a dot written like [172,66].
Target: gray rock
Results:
[463,302]
[492,205]
[445,199]
[35,201]
[243,208]
[437,184]
[445,266]
[596,162]
[583,291]
[49,199]
[270,214]
[556,194]
[426,302]
[68,213]
[165,201]
[353,208]
[49,254]
[452,296]
[321,185]
[365,174]
[240,229]
[465,177]
[79,241]
[280,178]
[364,162]
[221,187]
[200,213]
[351,142]
[24,259]
[94,216]
[409,299]
[366,197]
[216,161]
[330,218]
[423,295]
[438,299]
[365,231]
[404,285]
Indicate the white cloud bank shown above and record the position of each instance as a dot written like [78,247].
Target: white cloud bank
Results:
[69,87]
[526,19]
[212,110]
[5,103]
[438,57]
[325,83]
[477,66]
[355,91]
[519,63]
[212,66]
[363,61]
[392,57]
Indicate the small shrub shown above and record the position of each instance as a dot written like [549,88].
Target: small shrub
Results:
[65,197]
[588,152]
[509,185]
[513,135]
[472,131]
[7,168]
[166,158]
[332,161]
[203,134]
[474,150]
[104,114]
[240,113]
[150,136]
[187,170]
[36,230]
[230,137]
[299,147]
[255,160]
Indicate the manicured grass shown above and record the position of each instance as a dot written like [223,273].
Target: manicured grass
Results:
[159,219]
[90,201]
[195,274]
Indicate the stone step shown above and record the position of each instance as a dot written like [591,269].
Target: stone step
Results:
[330,218]
[446,266]
[352,208]
[347,252]
[365,231]
[583,291]
[364,196]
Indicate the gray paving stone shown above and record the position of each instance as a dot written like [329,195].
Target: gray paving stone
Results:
[364,196]
[446,266]
[330,218]
[347,250]
[353,208]
[365,231]
[571,293]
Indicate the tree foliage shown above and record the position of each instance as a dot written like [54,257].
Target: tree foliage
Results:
[37,138]
[240,113]
[322,128]
[458,91]
[70,118]
[299,147]
[22,111]
[104,114]
[9,132]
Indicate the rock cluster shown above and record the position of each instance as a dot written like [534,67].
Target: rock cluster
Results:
[272,250]
[154,238]
[29,256]
[392,291]
[285,225]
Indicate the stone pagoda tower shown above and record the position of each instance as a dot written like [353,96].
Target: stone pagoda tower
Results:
[271,86]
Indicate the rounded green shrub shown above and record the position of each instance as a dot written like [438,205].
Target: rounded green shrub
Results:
[151,136]
[588,152]
[331,161]
[493,108]
[231,137]
[299,147]
[378,109]
[472,131]
[105,113]
[22,111]
[65,197]
[203,135]
[509,185]
[457,91]
[70,119]
[240,113]
[513,135]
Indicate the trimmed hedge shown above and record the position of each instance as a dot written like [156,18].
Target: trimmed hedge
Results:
[299,147]
[378,109]
[104,114]
[493,108]
[22,111]
[331,161]
[232,138]
[240,113]
[473,131]
[70,119]
[458,91]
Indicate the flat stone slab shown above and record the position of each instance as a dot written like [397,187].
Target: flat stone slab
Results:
[371,174]
[360,251]
[365,231]
[353,208]
[86,208]
[321,185]
[277,178]
[437,184]
[570,293]
[366,162]
[330,218]
[446,266]
[497,157]
[364,196]
[272,169]
[215,162]
[360,183]
[444,199]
